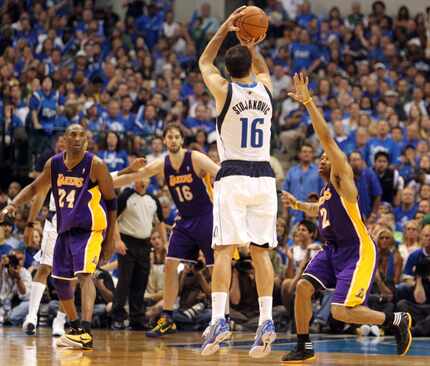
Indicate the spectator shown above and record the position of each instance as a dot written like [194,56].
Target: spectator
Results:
[44,104]
[407,209]
[305,56]
[390,179]
[5,248]
[410,240]
[115,158]
[7,226]
[155,289]
[303,178]
[368,185]
[419,254]
[382,143]
[15,286]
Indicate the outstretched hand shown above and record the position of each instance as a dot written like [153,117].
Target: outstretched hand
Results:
[229,25]
[288,199]
[301,92]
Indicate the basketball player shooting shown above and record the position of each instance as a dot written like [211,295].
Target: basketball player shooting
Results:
[245,199]
[349,258]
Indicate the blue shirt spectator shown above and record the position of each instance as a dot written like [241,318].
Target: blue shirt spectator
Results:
[368,185]
[407,209]
[115,158]
[43,105]
[382,143]
[305,56]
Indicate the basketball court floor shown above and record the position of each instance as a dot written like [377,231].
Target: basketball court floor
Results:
[127,348]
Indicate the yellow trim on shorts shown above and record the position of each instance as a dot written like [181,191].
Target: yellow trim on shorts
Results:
[365,266]
[207,181]
[92,252]
[98,214]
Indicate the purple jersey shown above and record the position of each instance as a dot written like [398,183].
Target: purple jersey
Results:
[78,200]
[192,195]
[340,222]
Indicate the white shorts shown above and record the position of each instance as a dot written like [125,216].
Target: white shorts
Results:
[46,253]
[245,210]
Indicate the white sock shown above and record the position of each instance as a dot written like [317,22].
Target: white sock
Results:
[36,293]
[61,316]
[219,300]
[265,303]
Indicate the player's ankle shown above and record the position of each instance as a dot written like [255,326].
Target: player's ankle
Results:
[86,326]
[75,324]
[389,319]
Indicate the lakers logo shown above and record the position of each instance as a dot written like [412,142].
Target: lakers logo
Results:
[360,294]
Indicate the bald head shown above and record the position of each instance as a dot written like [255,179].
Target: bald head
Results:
[76,139]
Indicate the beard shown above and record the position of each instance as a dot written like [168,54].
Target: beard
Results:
[174,150]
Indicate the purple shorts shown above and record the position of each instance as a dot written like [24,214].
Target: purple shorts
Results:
[189,236]
[76,251]
[349,270]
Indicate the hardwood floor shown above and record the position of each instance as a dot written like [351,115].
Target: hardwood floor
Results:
[126,348]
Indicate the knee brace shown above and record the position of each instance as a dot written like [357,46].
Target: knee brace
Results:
[64,289]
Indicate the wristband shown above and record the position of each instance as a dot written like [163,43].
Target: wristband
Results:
[307,101]
[30,224]
[295,206]
[111,205]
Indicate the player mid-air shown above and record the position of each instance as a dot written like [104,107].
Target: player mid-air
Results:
[349,258]
[85,203]
[245,199]
[188,176]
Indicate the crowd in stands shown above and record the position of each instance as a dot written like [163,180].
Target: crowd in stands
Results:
[66,62]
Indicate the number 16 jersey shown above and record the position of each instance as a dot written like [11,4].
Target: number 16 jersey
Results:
[78,200]
[244,123]
[191,194]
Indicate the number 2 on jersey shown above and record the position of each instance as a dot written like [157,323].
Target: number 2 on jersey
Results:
[256,138]
[325,220]
[184,193]
[70,198]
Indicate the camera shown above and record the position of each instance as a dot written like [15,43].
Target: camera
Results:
[13,261]
[243,265]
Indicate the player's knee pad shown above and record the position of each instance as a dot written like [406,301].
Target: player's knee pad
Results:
[64,289]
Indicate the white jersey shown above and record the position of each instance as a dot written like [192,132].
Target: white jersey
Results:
[244,123]
[51,202]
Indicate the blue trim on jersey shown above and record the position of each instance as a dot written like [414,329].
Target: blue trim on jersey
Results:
[244,85]
[252,169]
[220,118]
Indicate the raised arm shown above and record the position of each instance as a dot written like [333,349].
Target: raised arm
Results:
[216,84]
[203,164]
[341,175]
[259,66]
[41,184]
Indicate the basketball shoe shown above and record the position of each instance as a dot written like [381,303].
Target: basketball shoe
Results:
[214,335]
[76,338]
[29,326]
[300,354]
[263,339]
[402,332]
[165,325]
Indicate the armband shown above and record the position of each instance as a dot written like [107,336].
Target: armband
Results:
[111,205]
[30,224]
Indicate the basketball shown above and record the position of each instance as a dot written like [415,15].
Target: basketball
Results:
[253,23]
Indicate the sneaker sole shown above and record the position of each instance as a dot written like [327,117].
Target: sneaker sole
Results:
[71,344]
[310,359]
[410,336]
[213,348]
[157,335]
[266,348]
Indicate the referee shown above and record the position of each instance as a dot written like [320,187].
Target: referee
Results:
[138,213]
